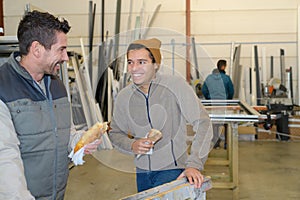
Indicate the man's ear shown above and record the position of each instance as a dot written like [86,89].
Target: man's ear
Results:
[36,48]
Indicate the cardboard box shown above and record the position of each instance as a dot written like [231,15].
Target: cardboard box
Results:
[247,130]
[294,128]
[247,133]
[263,134]
[295,134]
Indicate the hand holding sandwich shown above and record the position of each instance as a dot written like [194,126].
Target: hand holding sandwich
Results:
[88,142]
[144,145]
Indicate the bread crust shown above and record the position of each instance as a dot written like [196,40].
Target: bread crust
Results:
[154,135]
[93,133]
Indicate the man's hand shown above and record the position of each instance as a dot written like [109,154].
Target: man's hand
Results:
[193,175]
[92,147]
[141,146]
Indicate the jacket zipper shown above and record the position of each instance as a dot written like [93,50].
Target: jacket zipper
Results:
[172,149]
[148,113]
[52,116]
[149,119]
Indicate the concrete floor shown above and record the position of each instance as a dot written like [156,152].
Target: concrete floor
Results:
[267,170]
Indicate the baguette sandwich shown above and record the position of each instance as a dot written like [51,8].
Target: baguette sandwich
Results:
[93,133]
[154,135]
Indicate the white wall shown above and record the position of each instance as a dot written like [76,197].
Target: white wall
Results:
[214,24]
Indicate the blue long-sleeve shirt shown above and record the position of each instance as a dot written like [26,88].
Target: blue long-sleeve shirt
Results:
[218,85]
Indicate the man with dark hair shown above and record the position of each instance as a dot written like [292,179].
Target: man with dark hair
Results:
[218,85]
[221,64]
[165,103]
[35,117]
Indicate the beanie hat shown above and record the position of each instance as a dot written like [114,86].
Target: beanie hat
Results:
[153,45]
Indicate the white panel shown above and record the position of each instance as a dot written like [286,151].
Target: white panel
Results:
[55,7]
[268,23]
[244,22]
[250,37]
[297,71]
[243,5]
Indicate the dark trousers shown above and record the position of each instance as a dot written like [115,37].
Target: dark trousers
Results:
[216,135]
[149,179]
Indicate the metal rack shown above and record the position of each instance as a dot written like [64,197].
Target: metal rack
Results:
[231,112]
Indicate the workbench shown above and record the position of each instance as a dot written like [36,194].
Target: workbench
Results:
[175,190]
[231,112]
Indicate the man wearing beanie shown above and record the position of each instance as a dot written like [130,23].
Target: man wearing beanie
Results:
[166,103]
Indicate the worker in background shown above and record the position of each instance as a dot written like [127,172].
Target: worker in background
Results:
[165,103]
[35,117]
[218,85]
[212,90]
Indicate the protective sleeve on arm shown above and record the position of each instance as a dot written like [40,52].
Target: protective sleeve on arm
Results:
[201,145]
[75,136]
[205,91]
[230,89]
[12,179]
[119,129]
[196,115]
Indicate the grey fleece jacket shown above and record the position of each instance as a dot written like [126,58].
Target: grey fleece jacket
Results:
[169,106]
